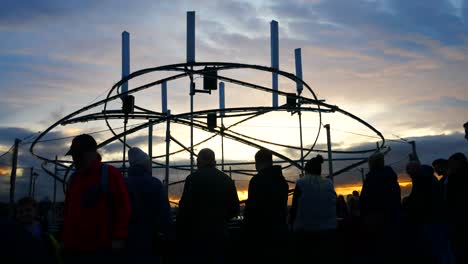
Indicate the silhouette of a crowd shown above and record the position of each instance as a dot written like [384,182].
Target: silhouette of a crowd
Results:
[112,219]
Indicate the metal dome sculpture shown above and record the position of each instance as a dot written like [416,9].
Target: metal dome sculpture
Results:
[205,120]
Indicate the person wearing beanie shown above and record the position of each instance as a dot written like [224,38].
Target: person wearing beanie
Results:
[151,214]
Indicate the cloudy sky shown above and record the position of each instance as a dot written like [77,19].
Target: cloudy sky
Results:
[399,65]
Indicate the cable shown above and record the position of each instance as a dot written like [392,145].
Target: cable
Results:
[8,151]
[90,133]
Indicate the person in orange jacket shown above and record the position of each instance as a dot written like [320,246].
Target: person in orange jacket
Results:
[97,207]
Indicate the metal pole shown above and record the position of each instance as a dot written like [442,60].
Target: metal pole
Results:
[298,60]
[330,161]
[302,143]
[31,181]
[124,146]
[168,141]
[299,87]
[14,164]
[150,140]
[191,59]
[192,93]
[125,73]
[221,107]
[34,186]
[362,175]
[274,42]
[222,144]
[55,182]
[125,59]
[190,36]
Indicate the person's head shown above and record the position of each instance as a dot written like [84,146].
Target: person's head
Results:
[456,163]
[26,210]
[466,130]
[376,161]
[263,159]
[314,165]
[83,151]
[138,158]
[206,158]
[341,199]
[440,166]
[355,193]
[413,168]
[427,171]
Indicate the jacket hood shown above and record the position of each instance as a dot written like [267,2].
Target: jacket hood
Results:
[139,159]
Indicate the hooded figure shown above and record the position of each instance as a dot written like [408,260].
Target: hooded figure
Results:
[151,215]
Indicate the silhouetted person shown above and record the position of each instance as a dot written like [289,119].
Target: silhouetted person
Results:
[427,234]
[341,207]
[208,202]
[313,215]
[381,210]
[441,168]
[466,130]
[27,216]
[97,207]
[18,245]
[457,205]
[354,204]
[265,213]
[151,213]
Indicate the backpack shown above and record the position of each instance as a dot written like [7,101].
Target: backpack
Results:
[91,195]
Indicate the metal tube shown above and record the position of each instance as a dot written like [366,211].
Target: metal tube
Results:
[298,60]
[150,140]
[125,59]
[31,181]
[221,107]
[168,141]
[190,36]
[192,93]
[302,144]
[55,182]
[14,164]
[330,161]
[274,42]
[124,146]
[164,97]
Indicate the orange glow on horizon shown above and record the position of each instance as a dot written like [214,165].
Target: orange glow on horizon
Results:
[5,171]
[348,189]
[340,190]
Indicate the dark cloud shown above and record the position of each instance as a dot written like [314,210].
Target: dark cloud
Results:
[15,13]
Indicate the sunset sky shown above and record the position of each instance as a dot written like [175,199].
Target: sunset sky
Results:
[399,65]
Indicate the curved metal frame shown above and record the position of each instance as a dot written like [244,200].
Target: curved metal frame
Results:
[187,70]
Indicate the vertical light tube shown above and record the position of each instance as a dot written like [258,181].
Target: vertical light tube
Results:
[150,141]
[164,97]
[299,87]
[125,59]
[274,42]
[168,141]
[221,107]
[330,160]
[298,60]
[221,98]
[191,37]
